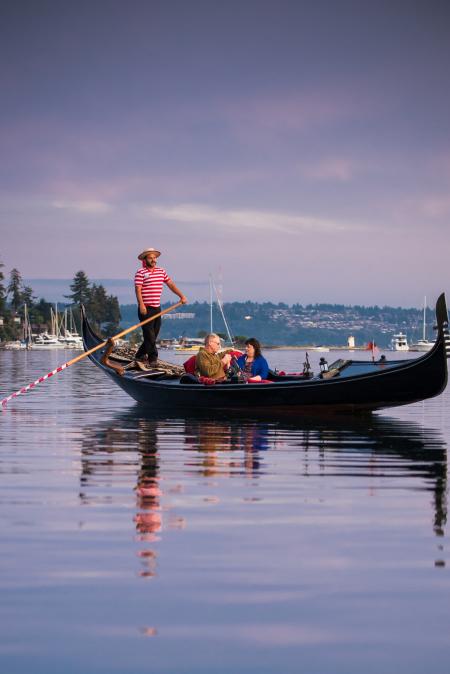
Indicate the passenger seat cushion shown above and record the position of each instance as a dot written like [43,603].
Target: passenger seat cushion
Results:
[189,365]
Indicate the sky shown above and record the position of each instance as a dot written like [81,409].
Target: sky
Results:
[297,151]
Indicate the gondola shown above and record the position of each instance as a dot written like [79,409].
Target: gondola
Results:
[348,386]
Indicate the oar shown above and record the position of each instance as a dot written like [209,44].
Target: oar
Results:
[87,353]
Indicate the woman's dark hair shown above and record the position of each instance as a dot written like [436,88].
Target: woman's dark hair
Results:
[256,345]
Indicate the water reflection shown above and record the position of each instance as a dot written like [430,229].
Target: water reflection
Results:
[214,439]
[226,532]
[157,449]
[170,472]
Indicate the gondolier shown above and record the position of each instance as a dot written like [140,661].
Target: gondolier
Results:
[148,284]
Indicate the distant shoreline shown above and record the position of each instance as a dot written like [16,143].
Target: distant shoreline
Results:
[57,289]
[316,349]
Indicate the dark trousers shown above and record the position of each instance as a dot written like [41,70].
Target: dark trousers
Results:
[150,332]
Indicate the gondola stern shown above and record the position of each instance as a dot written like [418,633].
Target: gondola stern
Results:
[442,323]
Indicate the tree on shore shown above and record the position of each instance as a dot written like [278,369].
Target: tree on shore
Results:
[5,327]
[40,312]
[103,310]
[113,315]
[15,290]
[27,297]
[8,328]
[97,305]
[80,287]
[2,291]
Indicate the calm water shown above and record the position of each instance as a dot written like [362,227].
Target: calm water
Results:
[136,543]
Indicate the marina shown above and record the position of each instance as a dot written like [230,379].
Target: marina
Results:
[63,334]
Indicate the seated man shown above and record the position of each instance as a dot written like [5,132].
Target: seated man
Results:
[208,363]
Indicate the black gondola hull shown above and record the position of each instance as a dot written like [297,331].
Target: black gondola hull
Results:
[383,385]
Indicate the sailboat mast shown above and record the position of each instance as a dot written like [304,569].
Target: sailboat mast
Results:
[210,304]
[55,321]
[424,318]
[230,337]
[27,335]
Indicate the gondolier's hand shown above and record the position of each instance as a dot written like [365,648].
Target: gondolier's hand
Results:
[142,309]
[183,299]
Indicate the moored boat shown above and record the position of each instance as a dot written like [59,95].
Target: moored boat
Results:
[13,345]
[189,346]
[46,340]
[399,342]
[422,344]
[71,340]
[348,386]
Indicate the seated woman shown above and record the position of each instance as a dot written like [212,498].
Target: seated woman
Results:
[252,362]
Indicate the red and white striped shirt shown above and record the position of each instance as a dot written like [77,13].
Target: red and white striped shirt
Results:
[151,281]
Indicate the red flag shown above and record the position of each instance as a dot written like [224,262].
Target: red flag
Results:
[371,346]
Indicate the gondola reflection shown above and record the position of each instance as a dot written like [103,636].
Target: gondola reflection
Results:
[213,441]
[159,455]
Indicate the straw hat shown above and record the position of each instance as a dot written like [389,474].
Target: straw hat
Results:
[147,251]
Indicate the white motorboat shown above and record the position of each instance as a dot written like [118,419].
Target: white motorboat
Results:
[46,340]
[399,342]
[13,345]
[71,340]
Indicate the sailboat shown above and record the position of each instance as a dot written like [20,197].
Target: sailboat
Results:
[192,345]
[50,340]
[27,340]
[422,344]
[212,286]
[68,335]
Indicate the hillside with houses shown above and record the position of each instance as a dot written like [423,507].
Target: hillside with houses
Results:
[295,325]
